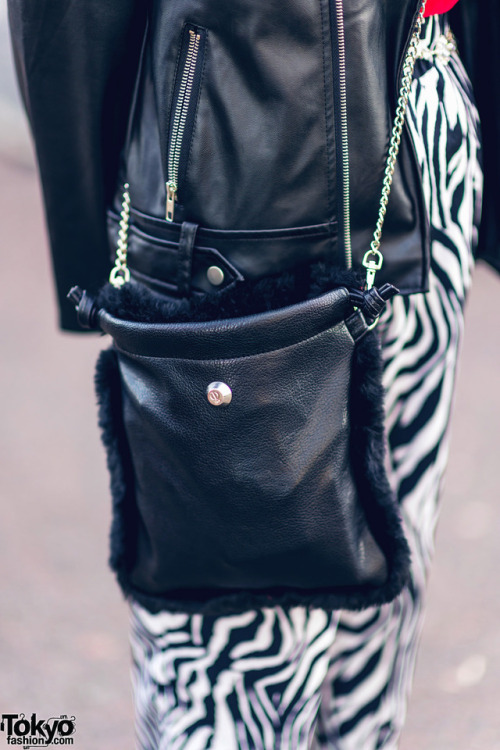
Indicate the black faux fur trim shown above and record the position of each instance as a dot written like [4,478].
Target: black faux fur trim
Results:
[137,303]
[368,448]
[367,445]
[124,520]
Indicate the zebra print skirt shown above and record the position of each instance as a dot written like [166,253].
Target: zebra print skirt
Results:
[309,678]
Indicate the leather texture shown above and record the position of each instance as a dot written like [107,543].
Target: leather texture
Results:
[257,495]
[263,144]
[276,495]
[231,338]
[77,64]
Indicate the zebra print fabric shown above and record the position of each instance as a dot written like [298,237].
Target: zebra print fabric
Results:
[311,679]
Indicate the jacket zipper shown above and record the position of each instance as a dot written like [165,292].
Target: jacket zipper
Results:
[337,19]
[183,112]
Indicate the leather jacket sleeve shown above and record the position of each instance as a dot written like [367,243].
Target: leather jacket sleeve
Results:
[76,62]
[476,25]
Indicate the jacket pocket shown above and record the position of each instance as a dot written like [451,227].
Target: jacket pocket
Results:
[153,250]
[185,97]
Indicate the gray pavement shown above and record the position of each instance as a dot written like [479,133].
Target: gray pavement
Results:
[63,624]
[14,140]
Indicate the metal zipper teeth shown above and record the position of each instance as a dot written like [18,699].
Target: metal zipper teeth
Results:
[346,191]
[179,124]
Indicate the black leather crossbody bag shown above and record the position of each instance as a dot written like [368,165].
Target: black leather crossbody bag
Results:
[246,447]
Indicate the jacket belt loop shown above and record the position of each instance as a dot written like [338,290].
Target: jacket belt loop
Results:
[185,257]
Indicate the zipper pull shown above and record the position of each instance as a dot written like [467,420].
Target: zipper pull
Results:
[171,198]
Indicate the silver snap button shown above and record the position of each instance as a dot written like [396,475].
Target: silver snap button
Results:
[215,275]
[219,394]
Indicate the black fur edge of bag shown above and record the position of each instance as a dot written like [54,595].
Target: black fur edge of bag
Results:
[370,516]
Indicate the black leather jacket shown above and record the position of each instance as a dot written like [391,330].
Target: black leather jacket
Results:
[236,106]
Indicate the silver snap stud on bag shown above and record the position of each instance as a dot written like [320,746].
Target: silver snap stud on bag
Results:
[219,394]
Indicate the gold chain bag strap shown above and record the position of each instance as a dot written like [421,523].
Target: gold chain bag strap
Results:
[247,453]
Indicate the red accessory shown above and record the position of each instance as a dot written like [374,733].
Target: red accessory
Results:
[438,6]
